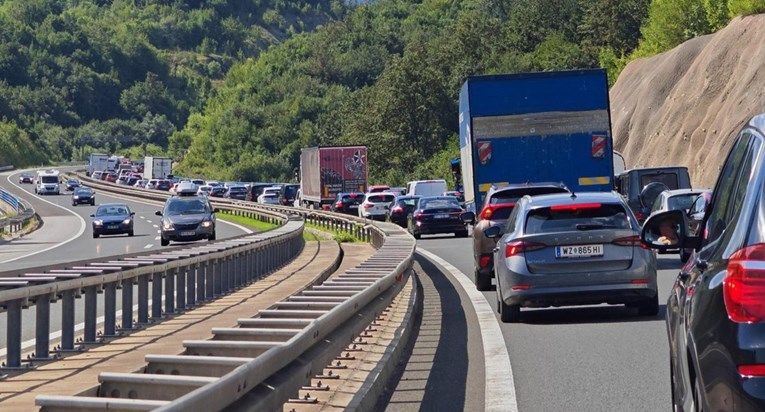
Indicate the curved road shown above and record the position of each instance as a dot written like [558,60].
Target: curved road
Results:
[594,358]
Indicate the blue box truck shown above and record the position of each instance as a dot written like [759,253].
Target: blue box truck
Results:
[532,127]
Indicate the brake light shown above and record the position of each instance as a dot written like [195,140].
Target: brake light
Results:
[397,209]
[576,206]
[629,241]
[484,261]
[490,209]
[750,371]
[419,215]
[517,247]
[520,287]
[339,204]
[744,285]
[353,195]
[368,205]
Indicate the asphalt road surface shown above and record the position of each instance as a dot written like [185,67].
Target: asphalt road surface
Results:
[593,358]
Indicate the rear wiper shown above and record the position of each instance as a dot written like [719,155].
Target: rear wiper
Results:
[594,226]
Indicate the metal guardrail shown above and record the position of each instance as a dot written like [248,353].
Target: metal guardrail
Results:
[282,346]
[23,213]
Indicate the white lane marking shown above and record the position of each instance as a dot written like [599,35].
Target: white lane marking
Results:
[156,238]
[156,226]
[142,217]
[149,246]
[149,221]
[79,233]
[500,386]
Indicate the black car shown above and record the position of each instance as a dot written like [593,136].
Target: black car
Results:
[287,194]
[163,185]
[187,218]
[26,178]
[436,214]
[112,219]
[71,184]
[236,192]
[715,312]
[631,183]
[217,191]
[82,195]
[347,202]
[255,190]
[400,209]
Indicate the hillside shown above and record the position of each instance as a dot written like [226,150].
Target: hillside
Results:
[682,107]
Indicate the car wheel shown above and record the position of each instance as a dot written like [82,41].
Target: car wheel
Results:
[164,242]
[211,237]
[463,233]
[508,313]
[649,307]
[92,202]
[482,282]
[131,234]
[74,204]
[95,235]
[684,255]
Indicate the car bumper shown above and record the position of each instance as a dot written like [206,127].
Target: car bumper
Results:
[612,294]
[399,220]
[435,228]
[112,229]
[188,235]
[81,200]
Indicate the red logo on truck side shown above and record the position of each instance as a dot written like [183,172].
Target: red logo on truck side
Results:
[484,152]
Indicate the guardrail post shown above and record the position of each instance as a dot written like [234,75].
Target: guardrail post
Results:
[143,299]
[13,334]
[170,290]
[201,281]
[226,275]
[110,309]
[217,277]
[67,320]
[180,296]
[209,280]
[91,310]
[127,303]
[156,295]
[42,326]
[191,273]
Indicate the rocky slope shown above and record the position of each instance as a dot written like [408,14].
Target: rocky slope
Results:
[684,106]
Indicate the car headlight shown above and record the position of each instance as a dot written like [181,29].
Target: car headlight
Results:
[76,197]
[98,222]
[206,223]
[126,222]
[167,226]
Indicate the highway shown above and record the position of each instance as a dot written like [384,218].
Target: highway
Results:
[594,358]
[66,236]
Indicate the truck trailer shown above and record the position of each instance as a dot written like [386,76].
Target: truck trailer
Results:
[96,162]
[327,171]
[157,167]
[533,127]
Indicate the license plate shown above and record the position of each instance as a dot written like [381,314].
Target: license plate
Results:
[441,216]
[112,226]
[353,206]
[578,251]
[187,233]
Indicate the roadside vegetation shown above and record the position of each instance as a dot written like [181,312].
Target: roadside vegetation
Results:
[337,235]
[233,90]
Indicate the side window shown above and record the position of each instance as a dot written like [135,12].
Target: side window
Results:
[698,205]
[726,198]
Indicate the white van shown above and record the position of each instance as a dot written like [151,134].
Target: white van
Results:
[47,182]
[426,188]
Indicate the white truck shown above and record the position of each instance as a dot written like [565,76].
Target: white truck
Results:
[96,162]
[47,182]
[157,167]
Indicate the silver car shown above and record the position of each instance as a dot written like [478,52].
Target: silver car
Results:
[572,249]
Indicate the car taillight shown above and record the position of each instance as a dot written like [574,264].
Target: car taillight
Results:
[397,209]
[744,285]
[576,206]
[490,209]
[484,261]
[517,247]
[368,205]
[419,215]
[629,241]
[339,204]
[751,371]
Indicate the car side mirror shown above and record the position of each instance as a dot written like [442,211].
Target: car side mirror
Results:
[132,213]
[158,213]
[668,230]
[493,232]
[92,215]
[216,210]
[468,217]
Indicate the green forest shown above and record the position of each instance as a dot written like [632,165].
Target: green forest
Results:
[234,89]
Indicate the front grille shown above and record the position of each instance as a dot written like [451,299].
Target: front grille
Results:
[186,226]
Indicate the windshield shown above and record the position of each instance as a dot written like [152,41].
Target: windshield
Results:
[49,179]
[186,207]
[113,210]
[83,191]
[576,217]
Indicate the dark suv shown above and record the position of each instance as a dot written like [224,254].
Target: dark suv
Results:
[630,185]
[287,194]
[187,218]
[496,209]
[716,309]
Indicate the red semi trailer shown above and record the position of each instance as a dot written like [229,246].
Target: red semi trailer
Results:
[327,171]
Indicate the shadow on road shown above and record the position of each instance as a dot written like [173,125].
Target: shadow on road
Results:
[588,314]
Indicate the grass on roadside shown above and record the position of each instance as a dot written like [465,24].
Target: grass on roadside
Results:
[261,226]
[338,235]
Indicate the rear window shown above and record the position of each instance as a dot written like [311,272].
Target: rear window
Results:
[290,191]
[681,202]
[380,198]
[354,198]
[669,180]
[510,196]
[439,204]
[502,213]
[581,217]
[406,202]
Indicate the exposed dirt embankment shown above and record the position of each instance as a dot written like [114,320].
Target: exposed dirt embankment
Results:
[683,107]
